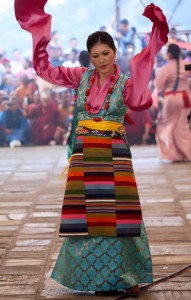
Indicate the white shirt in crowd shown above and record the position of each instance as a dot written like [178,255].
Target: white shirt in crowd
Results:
[69,63]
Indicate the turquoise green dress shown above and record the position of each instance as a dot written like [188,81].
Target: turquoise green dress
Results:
[102,263]
[72,136]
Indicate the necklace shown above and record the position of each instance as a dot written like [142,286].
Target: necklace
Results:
[87,105]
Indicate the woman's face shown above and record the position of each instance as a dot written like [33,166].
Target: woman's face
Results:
[103,59]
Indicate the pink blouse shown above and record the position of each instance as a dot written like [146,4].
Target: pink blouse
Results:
[31,17]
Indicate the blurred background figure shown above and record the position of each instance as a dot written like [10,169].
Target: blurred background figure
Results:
[44,119]
[8,80]
[174,36]
[3,59]
[73,45]
[173,136]
[55,58]
[138,133]
[16,63]
[3,106]
[28,70]
[124,35]
[25,90]
[14,124]
[55,48]
[72,59]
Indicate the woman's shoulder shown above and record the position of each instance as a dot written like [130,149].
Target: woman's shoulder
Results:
[89,71]
[165,68]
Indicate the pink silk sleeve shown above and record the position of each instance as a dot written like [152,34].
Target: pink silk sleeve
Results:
[31,16]
[136,92]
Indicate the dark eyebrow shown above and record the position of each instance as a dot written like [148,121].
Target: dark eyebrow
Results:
[95,53]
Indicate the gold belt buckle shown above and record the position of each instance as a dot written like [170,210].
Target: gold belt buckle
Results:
[121,130]
[81,130]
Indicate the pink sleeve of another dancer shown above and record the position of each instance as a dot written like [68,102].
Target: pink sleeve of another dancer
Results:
[31,16]
[136,92]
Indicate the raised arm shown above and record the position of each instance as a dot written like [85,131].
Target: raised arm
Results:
[31,16]
[137,94]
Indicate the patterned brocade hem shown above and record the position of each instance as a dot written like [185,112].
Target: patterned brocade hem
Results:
[104,263]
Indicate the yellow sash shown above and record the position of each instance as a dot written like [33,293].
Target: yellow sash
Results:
[102,125]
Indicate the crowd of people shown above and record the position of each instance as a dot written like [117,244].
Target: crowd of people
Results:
[33,112]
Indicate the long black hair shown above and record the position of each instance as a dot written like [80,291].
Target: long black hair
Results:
[175,52]
[100,37]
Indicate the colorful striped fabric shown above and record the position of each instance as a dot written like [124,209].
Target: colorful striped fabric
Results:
[101,197]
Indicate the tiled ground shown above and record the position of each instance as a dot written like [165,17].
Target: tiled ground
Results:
[30,202]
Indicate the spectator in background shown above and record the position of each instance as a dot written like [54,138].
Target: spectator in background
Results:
[111,28]
[125,58]
[27,69]
[73,44]
[64,110]
[25,90]
[2,71]
[124,35]
[3,62]
[172,37]
[137,42]
[3,106]
[44,119]
[14,124]
[4,97]
[175,36]
[8,80]
[56,59]
[55,44]
[3,59]
[73,59]
[16,63]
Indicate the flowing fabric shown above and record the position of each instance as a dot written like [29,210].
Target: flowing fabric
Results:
[32,17]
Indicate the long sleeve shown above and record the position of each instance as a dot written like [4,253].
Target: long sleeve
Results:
[31,16]
[136,92]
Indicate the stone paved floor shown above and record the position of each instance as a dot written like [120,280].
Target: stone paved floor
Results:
[30,203]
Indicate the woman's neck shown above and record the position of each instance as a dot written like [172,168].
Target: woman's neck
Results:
[102,77]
